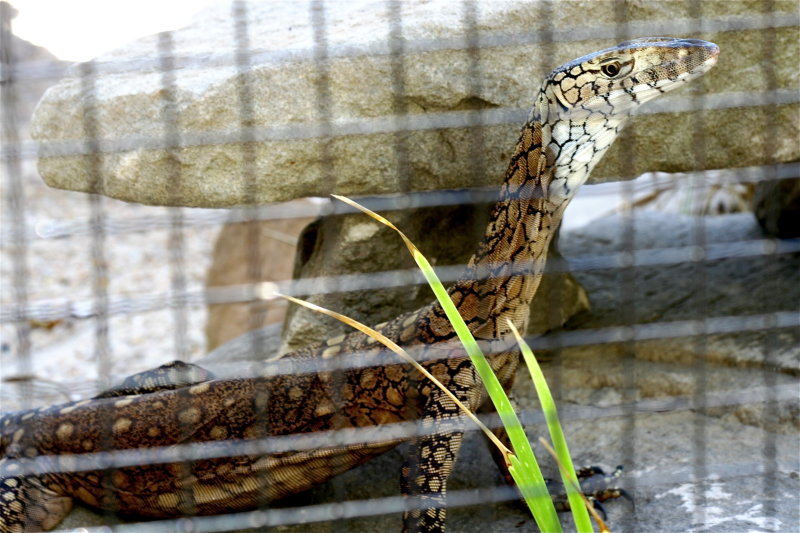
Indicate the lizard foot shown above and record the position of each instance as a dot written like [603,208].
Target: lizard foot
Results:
[597,486]
[27,504]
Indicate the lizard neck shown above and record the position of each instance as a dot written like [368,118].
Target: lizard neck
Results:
[580,109]
[543,175]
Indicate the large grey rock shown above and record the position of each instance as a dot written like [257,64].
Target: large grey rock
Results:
[741,292]
[436,77]
[777,207]
[354,246]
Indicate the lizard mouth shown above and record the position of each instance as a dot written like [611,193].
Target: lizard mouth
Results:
[695,57]
[702,56]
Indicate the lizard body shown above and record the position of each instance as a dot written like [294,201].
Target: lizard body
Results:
[579,110]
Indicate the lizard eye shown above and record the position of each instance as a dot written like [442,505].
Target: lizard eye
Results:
[611,70]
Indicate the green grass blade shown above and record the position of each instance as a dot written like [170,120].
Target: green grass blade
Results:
[380,337]
[525,470]
[583,523]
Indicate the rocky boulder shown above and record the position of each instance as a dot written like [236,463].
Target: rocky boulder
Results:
[276,102]
[776,205]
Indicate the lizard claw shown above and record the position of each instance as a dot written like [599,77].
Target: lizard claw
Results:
[596,485]
[599,507]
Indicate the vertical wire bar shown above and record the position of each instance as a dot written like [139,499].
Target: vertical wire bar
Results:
[244,94]
[322,64]
[323,89]
[700,279]
[474,120]
[172,142]
[401,136]
[769,454]
[15,200]
[175,242]
[97,223]
[399,101]
[627,292]
[474,123]
[100,279]
[555,267]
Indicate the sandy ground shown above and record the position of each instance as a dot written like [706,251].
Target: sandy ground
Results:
[63,359]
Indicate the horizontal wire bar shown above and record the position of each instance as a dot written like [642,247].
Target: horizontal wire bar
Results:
[305,514]
[373,125]
[58,309]
[678,475]
[200,217]
[236,358]
[667,330]
[386,433]
[595,336]
[31,70]
[562,339]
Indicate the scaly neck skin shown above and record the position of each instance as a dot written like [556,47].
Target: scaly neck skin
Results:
[581,108]
[504,274]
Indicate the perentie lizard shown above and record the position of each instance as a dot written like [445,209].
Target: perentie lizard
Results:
[578,112]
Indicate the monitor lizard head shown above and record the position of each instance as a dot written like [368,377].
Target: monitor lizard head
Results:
[583,104]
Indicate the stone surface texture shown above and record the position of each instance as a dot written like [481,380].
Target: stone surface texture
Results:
[251,252]
[343,246]
[706,425]
[776,205]
[324,95]
[354,244]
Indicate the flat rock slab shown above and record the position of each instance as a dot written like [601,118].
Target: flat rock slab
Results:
[731,467]
[277,102]
[350,262]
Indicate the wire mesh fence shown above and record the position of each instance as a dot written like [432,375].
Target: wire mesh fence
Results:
[684,369]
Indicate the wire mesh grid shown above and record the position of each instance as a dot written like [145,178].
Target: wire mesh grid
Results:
[93,317]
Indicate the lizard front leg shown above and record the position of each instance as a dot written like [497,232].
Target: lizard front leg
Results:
[425,472]
[27,503]
[169,376]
